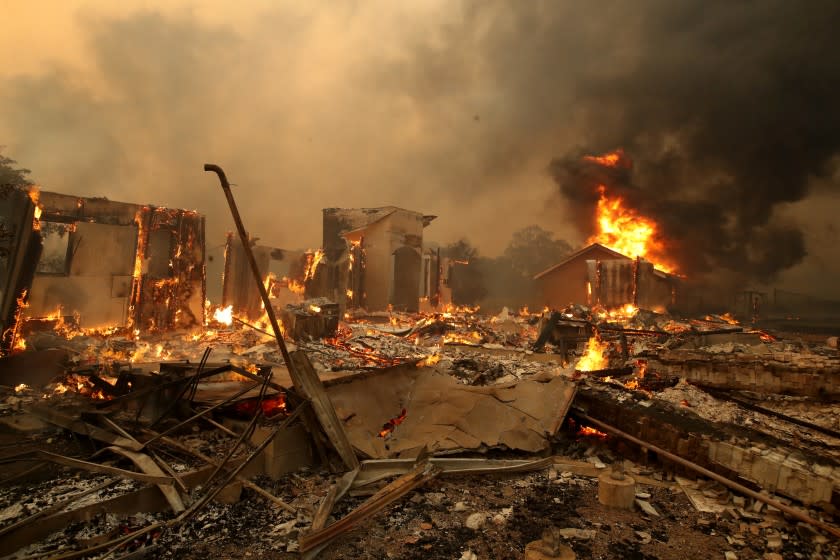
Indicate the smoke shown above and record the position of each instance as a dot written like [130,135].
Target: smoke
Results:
[455,109]
[728,113]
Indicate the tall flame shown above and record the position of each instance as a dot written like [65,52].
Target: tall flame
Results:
[312,262]
[593,359]
[623,230]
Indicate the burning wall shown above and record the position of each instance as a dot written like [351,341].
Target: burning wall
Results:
[19,249]
[111,264]
[284,273]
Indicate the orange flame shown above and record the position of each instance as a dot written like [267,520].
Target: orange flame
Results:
[389,426]
[429,360]
[294,286]
[588,431]
[312,262]
[611,159]
[623,230]
[224,315]
[593,359]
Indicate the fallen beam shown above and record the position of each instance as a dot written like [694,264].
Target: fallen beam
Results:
[422,473]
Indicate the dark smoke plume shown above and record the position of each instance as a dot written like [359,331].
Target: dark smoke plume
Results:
[728,112]
[727,109]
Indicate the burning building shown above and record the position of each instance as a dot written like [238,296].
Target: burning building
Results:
[374,258]
[597,275]
[283,274]
[105,264]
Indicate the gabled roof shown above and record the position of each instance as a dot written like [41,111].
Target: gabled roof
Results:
[362,218]
[587,249]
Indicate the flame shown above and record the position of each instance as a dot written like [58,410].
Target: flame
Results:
[593,359]
[312,262]
[271,405]
[314,309]
[429,360]
[588,431]
[20,344]
[726,318]
[766,337]
[21,388]
[729,318]
[389,426]
[471,338]
[623,230]
[610,159]
[294,286]
[224,315]
[349,293]
[35,197]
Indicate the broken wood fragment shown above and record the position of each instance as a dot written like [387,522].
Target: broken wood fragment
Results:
[419,475]
[148,466]
[105,469]
[312,388]
[83,428]
[244,481]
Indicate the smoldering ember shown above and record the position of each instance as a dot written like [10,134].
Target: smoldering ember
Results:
[419,280]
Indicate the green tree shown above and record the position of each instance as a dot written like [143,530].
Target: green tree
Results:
[533,249]
[10,175]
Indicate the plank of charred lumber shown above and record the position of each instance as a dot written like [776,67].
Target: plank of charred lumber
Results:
[338,489]
[213,463]
[233,474]
[375,470]
[69,423]
[325,508]
[148,466]
[106,469]
[310,384]
[116,427]
[420,474]
[793,512]
[169,470]
[202,413]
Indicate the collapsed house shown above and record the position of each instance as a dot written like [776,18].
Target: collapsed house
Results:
[374,258]
[101,264]
[598,276]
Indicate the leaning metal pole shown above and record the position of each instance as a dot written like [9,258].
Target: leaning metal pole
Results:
[243,235]
[304,378]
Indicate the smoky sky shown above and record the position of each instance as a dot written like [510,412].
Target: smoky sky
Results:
[729,111]
[476,111]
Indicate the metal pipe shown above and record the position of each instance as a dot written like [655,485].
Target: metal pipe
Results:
[793,512]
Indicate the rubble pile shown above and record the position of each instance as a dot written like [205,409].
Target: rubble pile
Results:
[409,435]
